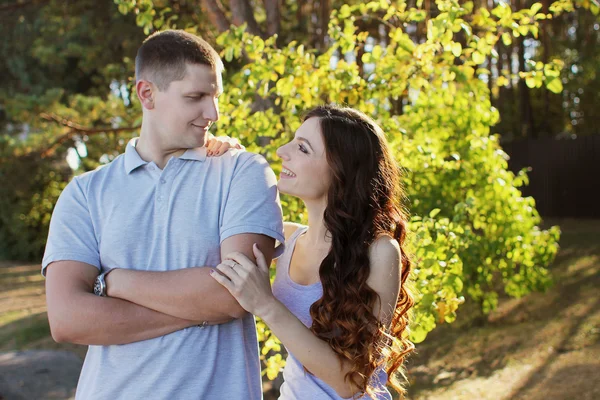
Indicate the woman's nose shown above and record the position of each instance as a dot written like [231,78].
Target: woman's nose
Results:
[282,153]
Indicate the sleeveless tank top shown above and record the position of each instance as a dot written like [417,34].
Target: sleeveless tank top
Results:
[298,384]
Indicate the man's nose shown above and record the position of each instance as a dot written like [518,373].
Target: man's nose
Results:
[211,110]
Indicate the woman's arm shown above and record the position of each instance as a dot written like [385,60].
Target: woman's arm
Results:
[250,285]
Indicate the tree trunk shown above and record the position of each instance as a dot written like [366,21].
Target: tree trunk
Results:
[491,80]
[525,114]
[216,14]
[546,126]
[325,8]
[511,89]
[273,10]
[242,12]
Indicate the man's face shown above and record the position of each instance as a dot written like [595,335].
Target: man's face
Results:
[184,112]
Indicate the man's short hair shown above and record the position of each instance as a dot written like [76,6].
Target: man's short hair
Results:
[163,57]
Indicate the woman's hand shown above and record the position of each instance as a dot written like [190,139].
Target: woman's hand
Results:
[217,146]
[247,282]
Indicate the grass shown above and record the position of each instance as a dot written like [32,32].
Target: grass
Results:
[23,316]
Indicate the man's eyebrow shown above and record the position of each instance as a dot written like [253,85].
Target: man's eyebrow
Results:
[300,138]
[201,92]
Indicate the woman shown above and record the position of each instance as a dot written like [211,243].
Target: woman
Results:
[339,302]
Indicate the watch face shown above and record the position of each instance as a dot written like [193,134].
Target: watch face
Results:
[97,287]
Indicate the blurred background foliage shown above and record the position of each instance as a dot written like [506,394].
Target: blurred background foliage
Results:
[447,80]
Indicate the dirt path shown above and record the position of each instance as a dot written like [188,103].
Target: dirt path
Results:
[39,374]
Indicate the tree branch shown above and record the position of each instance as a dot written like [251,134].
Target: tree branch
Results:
[75,129]
[21,4]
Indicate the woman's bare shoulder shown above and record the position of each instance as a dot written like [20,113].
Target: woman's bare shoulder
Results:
[385,256]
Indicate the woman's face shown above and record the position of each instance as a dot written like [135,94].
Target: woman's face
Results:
[305,172]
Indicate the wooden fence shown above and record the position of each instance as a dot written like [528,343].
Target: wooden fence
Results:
[564,178]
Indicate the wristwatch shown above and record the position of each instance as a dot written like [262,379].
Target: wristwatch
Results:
[100,284]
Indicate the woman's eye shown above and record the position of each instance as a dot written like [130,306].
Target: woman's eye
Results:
[302,149]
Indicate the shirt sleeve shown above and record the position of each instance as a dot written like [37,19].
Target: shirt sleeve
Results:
[71,235]
[252,204]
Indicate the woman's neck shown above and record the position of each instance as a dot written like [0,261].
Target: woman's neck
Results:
[317,236]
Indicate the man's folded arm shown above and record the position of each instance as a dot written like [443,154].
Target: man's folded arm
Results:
[76,315]
[189,293]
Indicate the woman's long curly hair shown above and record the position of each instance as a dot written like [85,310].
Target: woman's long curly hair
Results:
[363,203]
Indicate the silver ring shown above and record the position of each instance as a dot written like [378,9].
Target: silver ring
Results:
[203,325]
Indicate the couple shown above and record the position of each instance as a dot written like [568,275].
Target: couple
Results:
[158,260]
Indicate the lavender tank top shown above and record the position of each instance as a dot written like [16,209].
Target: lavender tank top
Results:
[298,384]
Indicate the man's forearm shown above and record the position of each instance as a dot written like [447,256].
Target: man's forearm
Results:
[94,320]
[188,293]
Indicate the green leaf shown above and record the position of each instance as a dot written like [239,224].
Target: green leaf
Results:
[502,10]
[502,81]
[434,212]
[554,85]
[535,7]
[456,49]
[377,52]
[523,30]
[478,58]
[418,334]
[229,54]
[467,29]
[550,71]
[345,11]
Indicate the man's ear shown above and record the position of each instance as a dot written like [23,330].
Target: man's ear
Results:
[145,91]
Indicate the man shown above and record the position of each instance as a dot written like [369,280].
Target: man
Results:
[158,326]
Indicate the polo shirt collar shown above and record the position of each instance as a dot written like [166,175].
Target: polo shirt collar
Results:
[195,154]
[132,158]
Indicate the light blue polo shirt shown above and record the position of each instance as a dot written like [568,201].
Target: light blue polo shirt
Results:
[131,214]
